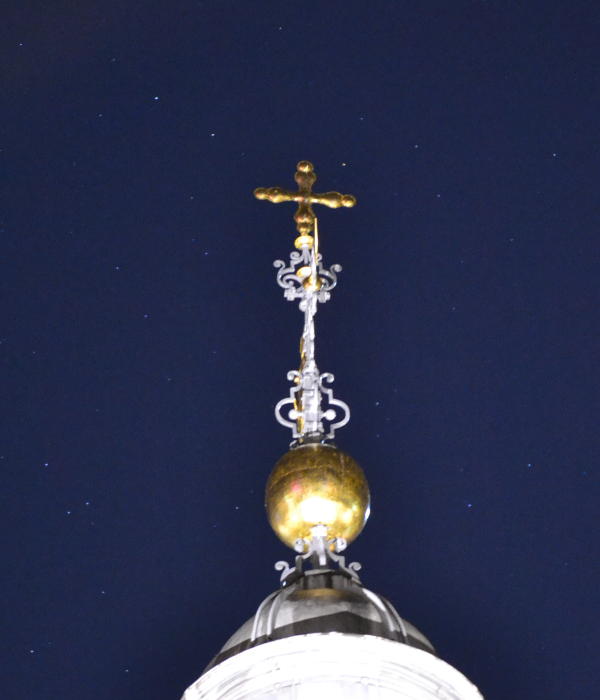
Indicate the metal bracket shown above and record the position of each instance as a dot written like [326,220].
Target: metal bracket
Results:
[319,551]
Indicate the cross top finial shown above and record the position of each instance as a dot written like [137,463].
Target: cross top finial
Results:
[305,217]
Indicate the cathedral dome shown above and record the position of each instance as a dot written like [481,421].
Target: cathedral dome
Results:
[333,666]
[322,601]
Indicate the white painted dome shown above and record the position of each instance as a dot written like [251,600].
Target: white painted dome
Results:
[330,666]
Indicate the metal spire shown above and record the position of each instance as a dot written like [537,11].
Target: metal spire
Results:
[306,279]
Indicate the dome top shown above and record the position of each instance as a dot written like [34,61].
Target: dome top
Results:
[321,601]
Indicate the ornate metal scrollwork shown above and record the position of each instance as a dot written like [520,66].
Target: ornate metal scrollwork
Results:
[292,283]
[321,421]
[332,413]
[305,279]
[320,552]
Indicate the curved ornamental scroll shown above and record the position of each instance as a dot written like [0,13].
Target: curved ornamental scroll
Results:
[335,415]
[290,278]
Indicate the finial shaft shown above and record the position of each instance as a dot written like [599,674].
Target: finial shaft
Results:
[307,280]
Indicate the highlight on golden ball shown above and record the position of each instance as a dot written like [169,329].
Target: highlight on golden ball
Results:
[317,484]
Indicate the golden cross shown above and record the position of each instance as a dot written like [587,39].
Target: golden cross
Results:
[305,217]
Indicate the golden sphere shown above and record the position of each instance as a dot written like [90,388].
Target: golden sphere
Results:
[301,241]
[305,166]
[317,484]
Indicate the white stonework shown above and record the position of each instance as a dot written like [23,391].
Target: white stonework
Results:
[329,666]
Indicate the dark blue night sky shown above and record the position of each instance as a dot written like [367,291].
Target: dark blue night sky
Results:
[144,341]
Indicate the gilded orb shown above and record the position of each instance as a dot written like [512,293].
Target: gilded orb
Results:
[317,484]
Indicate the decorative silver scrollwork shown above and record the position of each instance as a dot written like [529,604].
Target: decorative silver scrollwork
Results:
[302,411]
[312,418]
[332,413]
[320,552]
[293,284]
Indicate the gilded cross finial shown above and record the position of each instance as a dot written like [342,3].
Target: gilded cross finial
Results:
[305,217]
[310,410]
